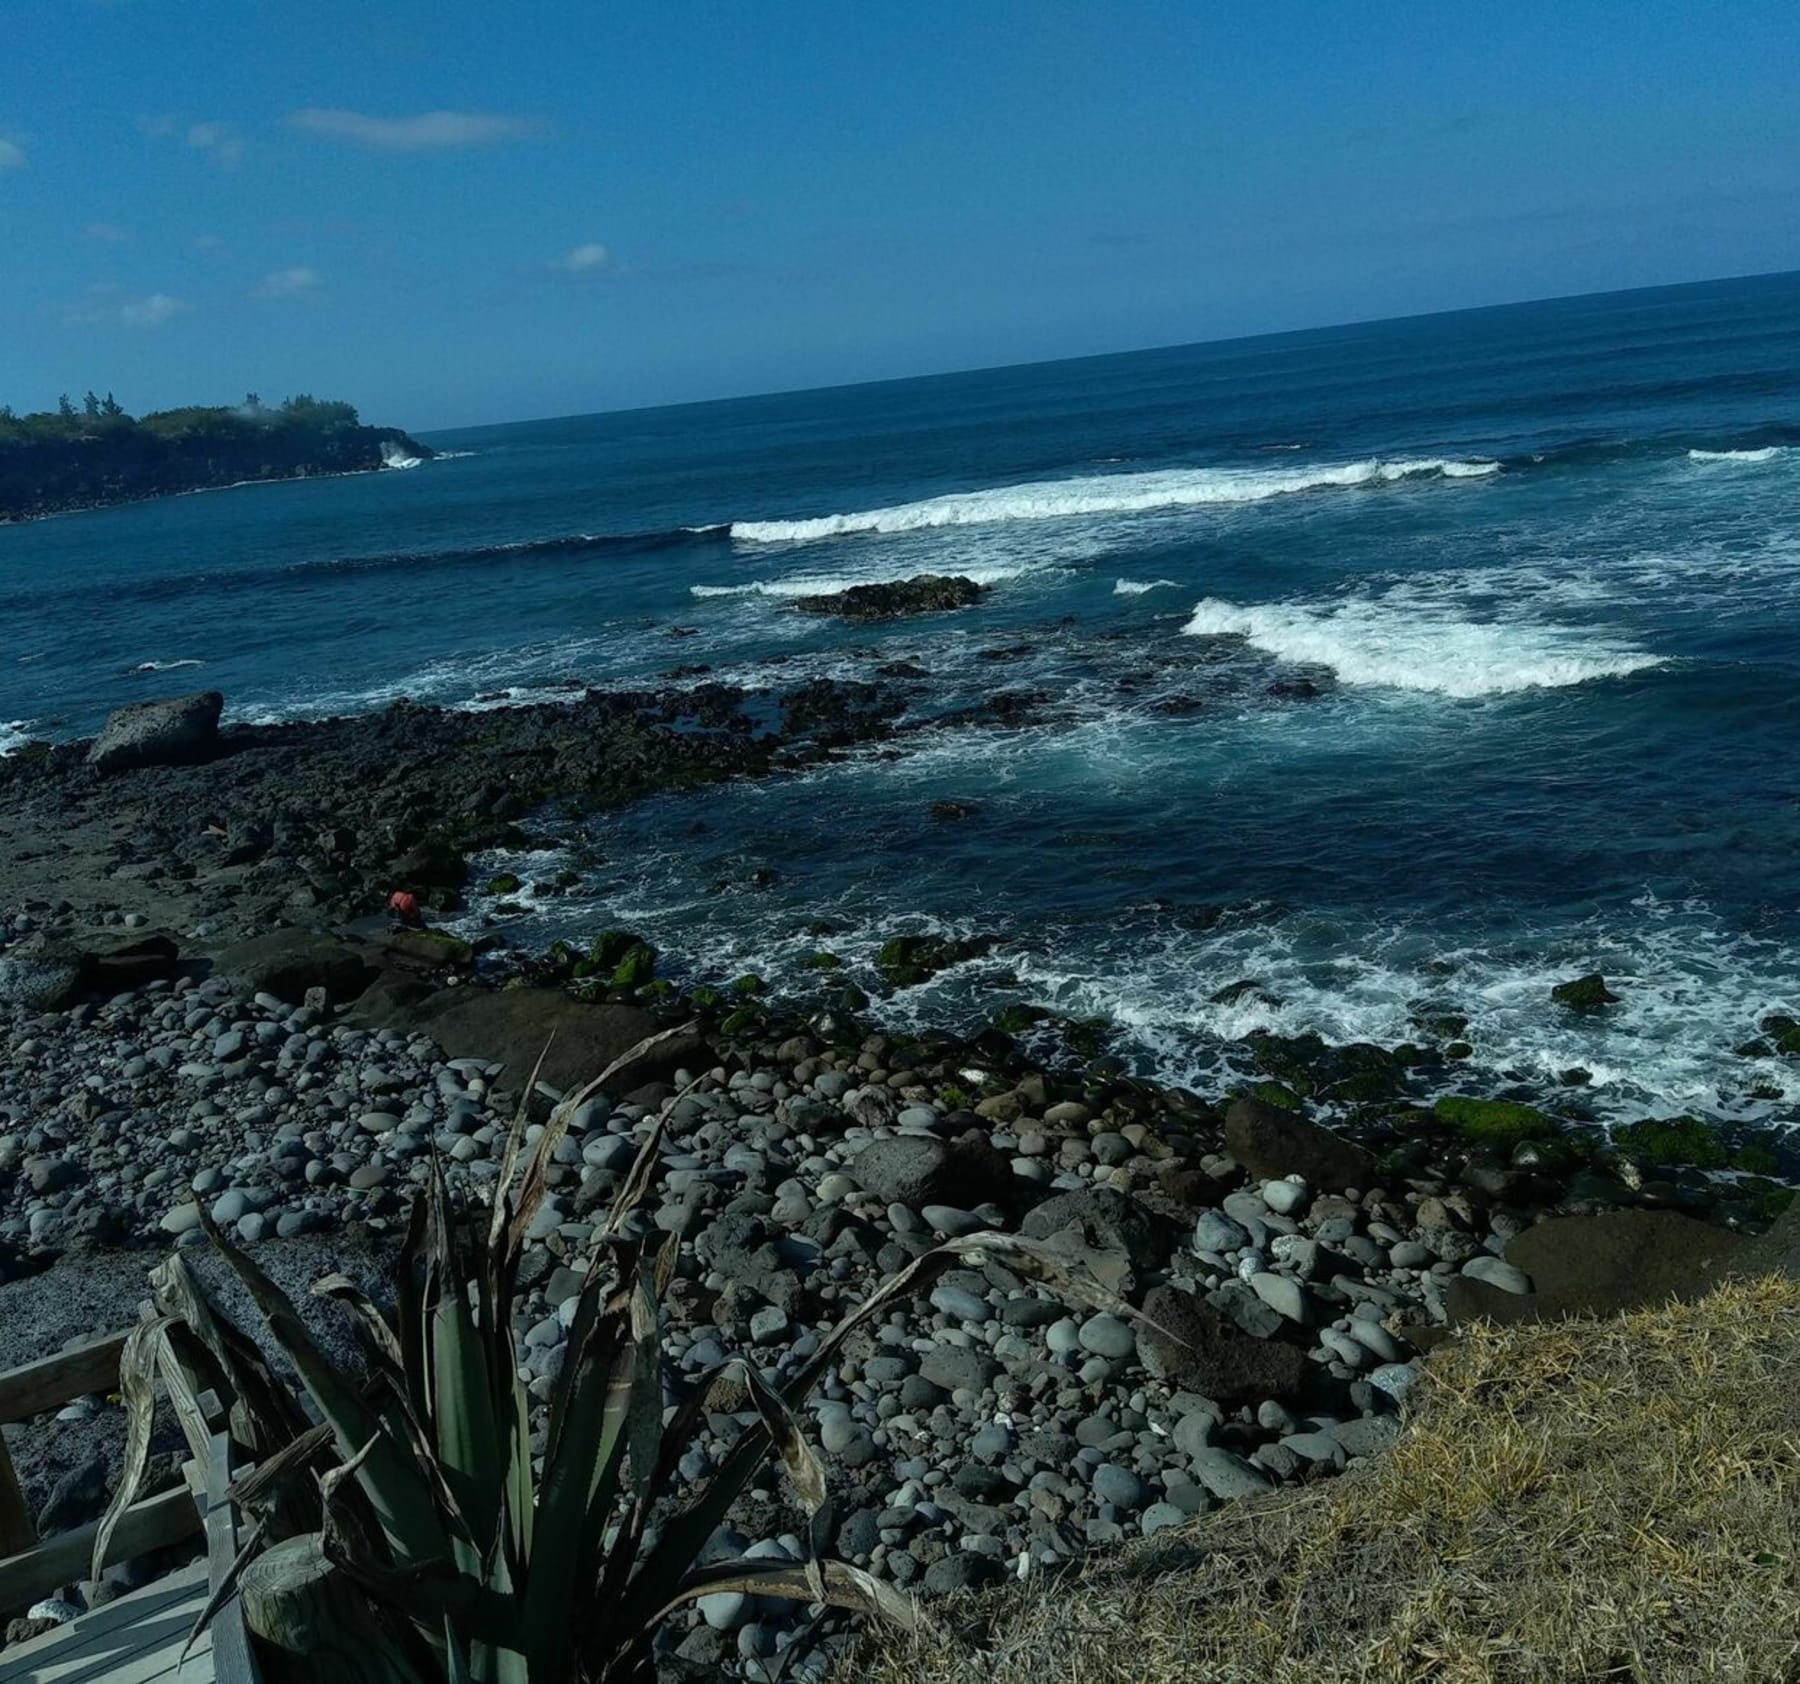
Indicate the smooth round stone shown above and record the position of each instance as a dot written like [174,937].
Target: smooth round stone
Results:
[228,1046]
[903,1220]
[181,1219]
[1344,1348]
[950,1221]
[366,1177]
[1286,1198]
[252,1227]
[1063,1336]
[1118,1486]
[917,1117]
[1286,1297]
[836,1187]
[378,1122]
[1215,1231]
[1497,1272]
[1159,1517]
[1411,1254]
[1375,1339]
[229,1206]
[725,1610]
[1107,1336]
[961,1305]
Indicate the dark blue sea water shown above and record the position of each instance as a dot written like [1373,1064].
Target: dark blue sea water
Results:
[1542,562]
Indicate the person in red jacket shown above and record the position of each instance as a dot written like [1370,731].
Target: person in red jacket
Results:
[404,905]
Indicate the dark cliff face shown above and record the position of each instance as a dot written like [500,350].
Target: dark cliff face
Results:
[42,476]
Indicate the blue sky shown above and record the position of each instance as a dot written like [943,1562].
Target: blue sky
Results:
[457,212]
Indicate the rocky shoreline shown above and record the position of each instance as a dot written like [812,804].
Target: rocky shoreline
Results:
[234,1025]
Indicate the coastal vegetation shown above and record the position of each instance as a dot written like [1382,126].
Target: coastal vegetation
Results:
[88,454]
[1584,1499]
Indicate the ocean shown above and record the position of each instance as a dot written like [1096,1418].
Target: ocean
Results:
[1539,567]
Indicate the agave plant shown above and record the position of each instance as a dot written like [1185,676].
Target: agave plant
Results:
[474,1557]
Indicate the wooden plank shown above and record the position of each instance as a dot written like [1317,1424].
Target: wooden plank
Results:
[152,1524]
[16,1530]
[233,1662]
[134,1640]
[53,1381]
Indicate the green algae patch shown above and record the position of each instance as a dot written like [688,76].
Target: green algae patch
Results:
[1495,1122]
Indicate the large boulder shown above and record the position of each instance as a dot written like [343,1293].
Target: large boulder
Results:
[1272,1143]
[513,1026]
[1602,1264]
[1185,1341]
[1106,1220]
[165,733]
[40,975]
[288,962]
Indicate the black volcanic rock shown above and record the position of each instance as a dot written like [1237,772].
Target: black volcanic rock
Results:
[926,593]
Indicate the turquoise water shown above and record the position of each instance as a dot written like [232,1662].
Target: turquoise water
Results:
[1542,565]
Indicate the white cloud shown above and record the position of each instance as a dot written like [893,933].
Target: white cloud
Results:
[430,131]
[219,141]
[107,233]
[109,306]
[289,283]
[587,259]
[151,311]
[11,156]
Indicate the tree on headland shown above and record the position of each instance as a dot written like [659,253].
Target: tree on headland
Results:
[80,456]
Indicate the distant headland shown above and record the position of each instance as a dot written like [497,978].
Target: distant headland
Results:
[89,454]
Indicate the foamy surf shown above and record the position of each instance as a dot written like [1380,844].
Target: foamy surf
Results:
[1768,453]
[1376,644]
[392,456]
[166,666]
[14,735]
[1108,494]
[1139,587]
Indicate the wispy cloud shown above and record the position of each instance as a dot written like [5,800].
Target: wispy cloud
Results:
[111,306]
[107,233]
[588,259]
[12,157]
[430,131]
[219,141]
[289,283]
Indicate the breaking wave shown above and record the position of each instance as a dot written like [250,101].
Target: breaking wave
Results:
[1767,453]
[166,666]
[1137,587]
[1371,643]
[1103,494]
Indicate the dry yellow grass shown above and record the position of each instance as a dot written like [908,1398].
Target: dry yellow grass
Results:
[1584,1501]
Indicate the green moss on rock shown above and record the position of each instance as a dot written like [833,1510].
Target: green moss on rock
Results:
[1495,1122]
[1665,1142]
[820,961]
[505,883]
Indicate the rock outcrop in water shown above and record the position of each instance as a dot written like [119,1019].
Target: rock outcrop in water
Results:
[925,593]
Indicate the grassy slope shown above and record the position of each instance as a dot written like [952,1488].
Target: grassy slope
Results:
[1583,1501]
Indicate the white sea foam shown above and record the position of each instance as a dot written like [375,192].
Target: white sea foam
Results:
[14,735]
[392,456]
[1768,453]
[835,584]
[1417,648]
[1137,587]
[166,666]
[1104,494]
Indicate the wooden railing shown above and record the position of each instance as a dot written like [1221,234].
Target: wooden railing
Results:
[30,1569]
